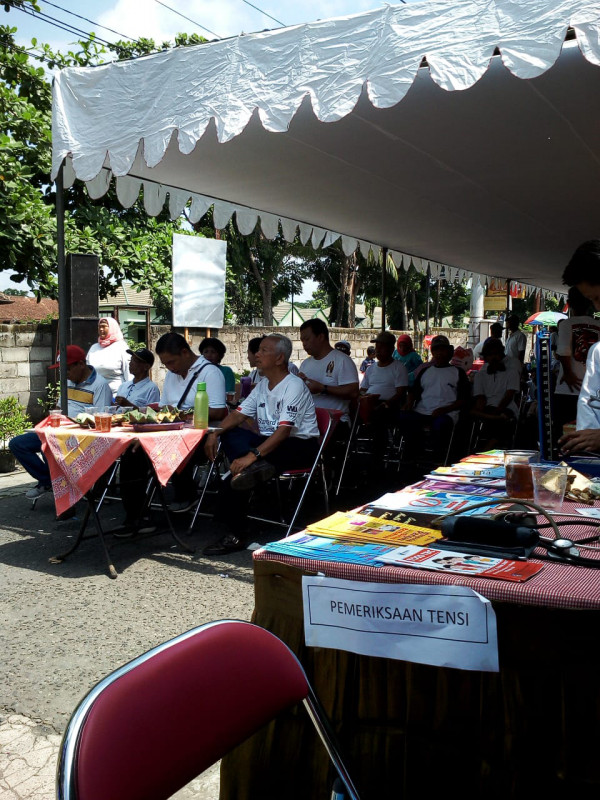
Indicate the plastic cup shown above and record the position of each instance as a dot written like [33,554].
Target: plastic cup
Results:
[55,417]
[111,409]
[519,481]
[103,421]
[549,485]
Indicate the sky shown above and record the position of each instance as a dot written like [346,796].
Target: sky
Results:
[158,20]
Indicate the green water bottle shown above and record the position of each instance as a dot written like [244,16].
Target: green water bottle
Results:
[201,407]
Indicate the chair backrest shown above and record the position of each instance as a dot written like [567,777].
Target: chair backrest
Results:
[327,420]
[149,728]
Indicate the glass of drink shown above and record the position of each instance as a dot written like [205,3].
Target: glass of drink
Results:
[519,482]
[549,485]
[55,415]
[103,421]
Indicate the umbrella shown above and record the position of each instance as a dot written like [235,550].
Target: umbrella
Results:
[545,318]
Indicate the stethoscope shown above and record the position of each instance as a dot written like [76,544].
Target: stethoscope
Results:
[560,549]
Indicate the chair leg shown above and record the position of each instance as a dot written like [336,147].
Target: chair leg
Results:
[211,471]
[325,490]
[300,503]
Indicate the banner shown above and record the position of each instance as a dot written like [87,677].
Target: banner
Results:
[198,281]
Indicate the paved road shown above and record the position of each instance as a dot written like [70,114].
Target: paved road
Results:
[66,626]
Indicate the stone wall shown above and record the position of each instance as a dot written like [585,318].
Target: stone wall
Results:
[236,337]
[26,350]
[25,353]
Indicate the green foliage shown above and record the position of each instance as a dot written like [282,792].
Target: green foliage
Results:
[50,398]
[13,420]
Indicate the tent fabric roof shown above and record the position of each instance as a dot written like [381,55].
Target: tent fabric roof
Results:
[486,163]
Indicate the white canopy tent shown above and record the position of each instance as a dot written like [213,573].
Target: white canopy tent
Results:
[396,128]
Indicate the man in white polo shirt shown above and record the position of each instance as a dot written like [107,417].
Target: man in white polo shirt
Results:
[288,438]
[494,389]
[331,376]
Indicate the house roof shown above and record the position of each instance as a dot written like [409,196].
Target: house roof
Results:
[27,309]
[128,295]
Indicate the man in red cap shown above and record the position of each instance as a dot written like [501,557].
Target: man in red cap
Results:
[85,388]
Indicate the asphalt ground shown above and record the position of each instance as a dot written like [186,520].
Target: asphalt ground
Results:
[65,626]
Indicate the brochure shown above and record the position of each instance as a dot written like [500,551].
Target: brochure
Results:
[322,548]
[489,457]
[360,527]
[461,563]
[472,470]
[437,485]
[437,503]
[471,480]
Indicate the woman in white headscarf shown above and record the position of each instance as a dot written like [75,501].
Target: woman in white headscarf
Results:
[109,355]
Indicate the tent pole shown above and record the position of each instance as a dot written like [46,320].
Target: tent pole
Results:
[507,297]
[384,255]
[64,311]
[427,299]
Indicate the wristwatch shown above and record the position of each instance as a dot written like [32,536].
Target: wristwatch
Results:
[256,452]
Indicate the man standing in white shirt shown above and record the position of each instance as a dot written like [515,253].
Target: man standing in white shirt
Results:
[516,341]
[330,375]
[583,271]
[288,438]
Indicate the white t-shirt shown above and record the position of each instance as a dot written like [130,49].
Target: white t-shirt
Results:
[576,336]
[203,372]
[288,403]
[515,344]
[494,387]
[111,363]
[440,387]
[385,380]
[588,416]
[334,369]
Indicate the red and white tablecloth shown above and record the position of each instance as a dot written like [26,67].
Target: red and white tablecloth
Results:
[555,586]
[78,457]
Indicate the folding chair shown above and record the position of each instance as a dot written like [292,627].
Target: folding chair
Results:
[327,420]
[153,725]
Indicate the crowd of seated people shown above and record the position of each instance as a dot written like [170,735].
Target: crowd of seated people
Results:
[272,425]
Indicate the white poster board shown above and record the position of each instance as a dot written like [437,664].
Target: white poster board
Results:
[445,626]
[198,281]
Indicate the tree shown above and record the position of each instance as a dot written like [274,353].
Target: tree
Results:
[129,244]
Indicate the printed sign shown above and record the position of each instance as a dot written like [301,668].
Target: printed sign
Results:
[445,626]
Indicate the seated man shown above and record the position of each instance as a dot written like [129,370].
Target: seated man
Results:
[84,388]
[186,370]
[288,438]
[494,390]
[385,382]
[331,376]
[439,392]
[214,350]
[141,391]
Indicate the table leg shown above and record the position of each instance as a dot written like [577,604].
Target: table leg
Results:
[163,503]
[90,510]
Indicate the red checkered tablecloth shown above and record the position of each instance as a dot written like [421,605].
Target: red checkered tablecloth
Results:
[78,457]
[555,586]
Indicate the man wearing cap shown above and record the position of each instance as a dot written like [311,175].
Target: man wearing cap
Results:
[439,392]
[494,389]
[141,391]
[343,346]
[84,388]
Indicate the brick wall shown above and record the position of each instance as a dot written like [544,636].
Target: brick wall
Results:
[25,353]
[236,337]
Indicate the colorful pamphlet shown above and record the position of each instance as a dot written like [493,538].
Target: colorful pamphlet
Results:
[322,548]
[360,527]
[472,470]
[437,485]
[437,503]
[489,457]
[439,560]
[470,480]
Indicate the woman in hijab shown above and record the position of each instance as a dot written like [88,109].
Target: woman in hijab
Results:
[406,353]
[108,356]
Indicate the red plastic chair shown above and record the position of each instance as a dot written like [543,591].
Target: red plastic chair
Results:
[153,725]
[327,420]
